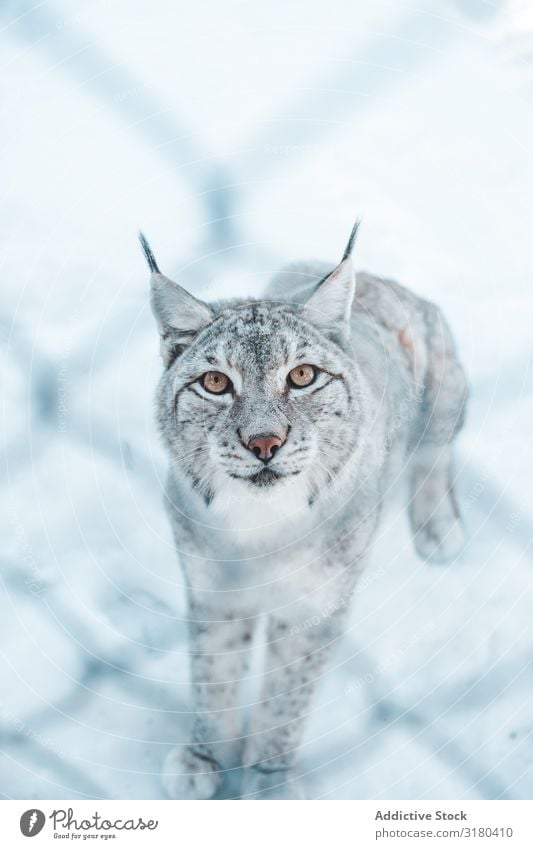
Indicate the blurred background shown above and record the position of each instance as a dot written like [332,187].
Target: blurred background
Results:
[240,135]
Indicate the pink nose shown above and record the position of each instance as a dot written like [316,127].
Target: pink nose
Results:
[264,447]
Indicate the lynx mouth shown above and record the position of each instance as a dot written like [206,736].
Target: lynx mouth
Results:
[265,477]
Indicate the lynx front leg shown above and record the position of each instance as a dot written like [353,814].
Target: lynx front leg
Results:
[219,660]
[296,658]
[435,519]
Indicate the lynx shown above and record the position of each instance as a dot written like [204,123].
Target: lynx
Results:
[287,420]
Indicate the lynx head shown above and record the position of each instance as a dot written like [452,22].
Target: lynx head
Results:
[257,396]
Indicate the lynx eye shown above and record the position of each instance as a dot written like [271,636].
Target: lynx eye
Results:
[215,382]
[302,376]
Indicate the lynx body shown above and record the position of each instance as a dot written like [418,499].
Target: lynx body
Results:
[287,421]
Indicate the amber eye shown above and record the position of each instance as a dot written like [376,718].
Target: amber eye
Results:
[302,376]
[215,382]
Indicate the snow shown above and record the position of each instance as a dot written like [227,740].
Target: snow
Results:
[239,137]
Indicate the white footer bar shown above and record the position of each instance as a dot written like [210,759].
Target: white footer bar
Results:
[268,825]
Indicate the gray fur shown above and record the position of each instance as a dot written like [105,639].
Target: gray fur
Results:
[290,541]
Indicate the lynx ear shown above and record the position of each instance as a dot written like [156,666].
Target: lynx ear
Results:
[178,314]
[329,307]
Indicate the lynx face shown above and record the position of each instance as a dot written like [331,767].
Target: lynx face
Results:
[263,393]
[261,397]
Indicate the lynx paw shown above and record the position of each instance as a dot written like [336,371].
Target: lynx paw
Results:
[186,775]
[441,538]
[270,785]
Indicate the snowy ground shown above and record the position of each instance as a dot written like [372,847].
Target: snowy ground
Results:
[240,135]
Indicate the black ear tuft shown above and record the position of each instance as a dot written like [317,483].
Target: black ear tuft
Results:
[351,240]
[147,250]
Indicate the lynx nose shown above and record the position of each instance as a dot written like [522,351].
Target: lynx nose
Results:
[264,447]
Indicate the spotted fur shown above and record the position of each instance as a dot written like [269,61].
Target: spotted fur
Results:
[288,540]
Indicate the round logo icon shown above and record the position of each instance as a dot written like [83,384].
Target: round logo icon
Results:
[32,822]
